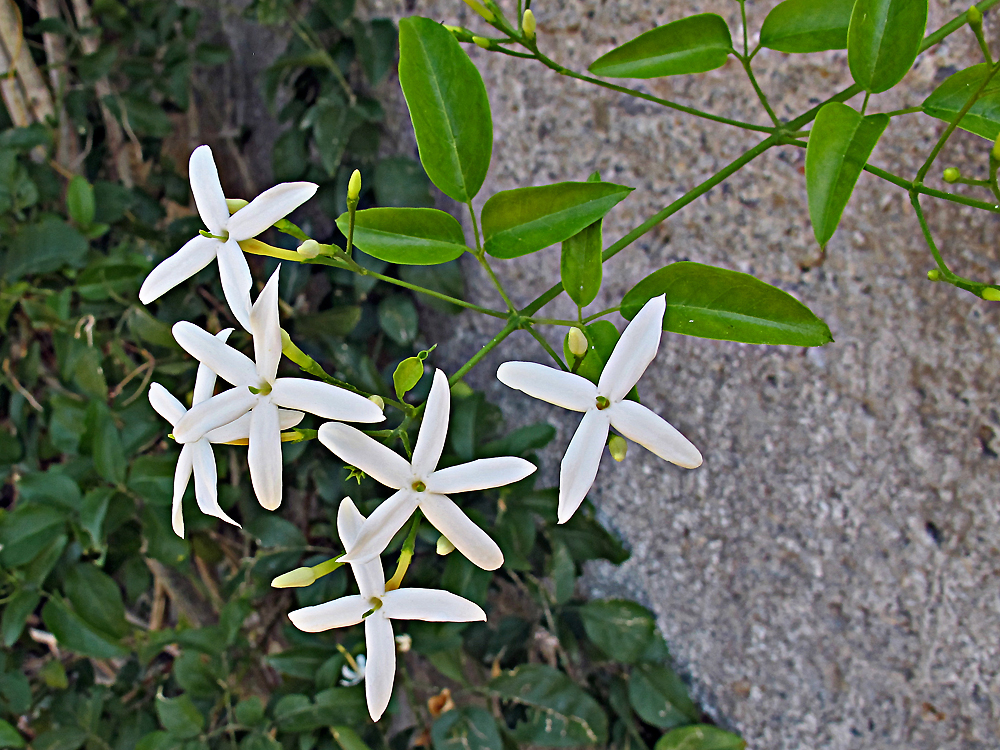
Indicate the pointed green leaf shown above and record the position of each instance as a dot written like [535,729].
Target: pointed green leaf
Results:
[525,220]
[690,45]
[807,25]
[80,201]
[840,142]
[179,716]
[581,262]
[659,696]
[883,40]
[948,99]
[75,634]
[97,599]
[10,737]
[700,737]
[448,106]
[15,613]
[408,236]
[716,303]
[467,728]
[620,628]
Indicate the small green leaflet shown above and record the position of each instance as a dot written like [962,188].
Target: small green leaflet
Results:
[840,142]
[716,303]
[948,99]
[883,41]
[807,25]
[699,737]
[581,263]
[525,220]
[408,236]
[691,45]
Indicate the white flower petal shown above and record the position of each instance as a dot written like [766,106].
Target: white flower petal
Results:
[579,465]
[219,410]
[654,433]
[182,475]
[461,531]
[634,351]
[264,455]
[430,605]
[548,384]
[233,366]
[380,664]
[204,381]
[324,400]
[288,418]
[267,329]
[479,475]
[196,253]
[381,526]
[340,613]
[234,273]
[206,481]
[370,576]
[433,428]
[358,449]
[238,429]
[207,189]
[270,206]
[164,403]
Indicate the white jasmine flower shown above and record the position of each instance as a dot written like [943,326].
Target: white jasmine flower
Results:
[421,485]
[198,457]
[604,406]
[269,392]
[270,206]
[352,677]
[376,607]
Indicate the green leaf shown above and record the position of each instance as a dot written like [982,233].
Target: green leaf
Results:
[883,41]
[448,106]
[840,142]
[620,628]
[45,246]
[398,318]
[109,454]
[75,634]
[97,599]
[581,264]
[348,739]
[601,338]
[716,303]
[249,711]
[375,42]
[559,712]
[10,737]
[15,613]
[525,220]
[28,530]
[466,728]
[948,99]
[807,25]
[691,45]
[179,716]
[409,236]
[400,182]
[660,698]
[80,201]
[63,738]
[93,510]
[700,737]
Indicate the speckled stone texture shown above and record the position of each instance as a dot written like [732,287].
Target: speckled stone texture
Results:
[829,577]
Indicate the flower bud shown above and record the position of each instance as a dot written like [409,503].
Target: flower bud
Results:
[404,643]
[577,342]
[990,294]
[618,447]
[995,153]
[354,186]
[480,9]
[952,175]
[974,16]
[934,275]
[294,579]
[377,400]
[444,547]
[235,204]
[309,249]
[481,42]
[528,24]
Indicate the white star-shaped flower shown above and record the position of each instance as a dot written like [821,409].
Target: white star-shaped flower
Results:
[270,392]
[421,484]
[604,406]
[198,457]
[270,206]
[377,607]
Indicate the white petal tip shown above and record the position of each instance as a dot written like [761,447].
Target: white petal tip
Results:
[302,623]
[270,503]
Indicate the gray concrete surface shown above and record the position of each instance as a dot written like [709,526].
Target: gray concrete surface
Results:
[828,578]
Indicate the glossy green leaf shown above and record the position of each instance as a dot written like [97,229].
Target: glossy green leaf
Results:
[620,628]
[948,99]
[27,531]
[807,25]
[691,45]
[700,737]
[409,236]
[559,712]
[109,454]
[398,318]
[840,142]
[659,696]
[75,634]
[63,738]
[80,201]
[348,739]
[466,728]
[581,263]
[15,613]
[44,246]
[525,220]
[179,716]
[448,106]
[883,40]
[716,303]
[601,337]
[97,599]
[9,736]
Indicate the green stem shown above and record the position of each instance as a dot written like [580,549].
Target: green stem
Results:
[745,61]
[437,295]
[481,257]
[905,111]
[602,313]
[864,104]
[961,282]
[405,554]
[746,39]
[545,345]
[978,31]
